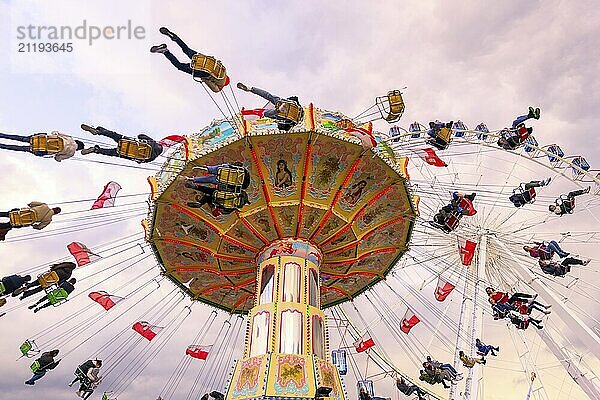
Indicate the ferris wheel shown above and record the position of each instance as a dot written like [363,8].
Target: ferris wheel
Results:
[473,162]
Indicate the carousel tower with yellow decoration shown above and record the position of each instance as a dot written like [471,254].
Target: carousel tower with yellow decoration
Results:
[328,218]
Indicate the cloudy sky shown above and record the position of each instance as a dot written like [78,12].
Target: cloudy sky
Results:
[475,61]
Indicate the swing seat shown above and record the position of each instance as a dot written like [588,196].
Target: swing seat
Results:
[527,194]
[568,202]
[391,107]
[35,366]
[483,129]
[452,221]
[83,378]
[214,68]
[442,138]
[338,358]
[415,129]
[226,199]
[48,279]
[367,384]
[22,217]
[138,150]
[47,143]
[57,296]
[2,288]
[345,123]
[289,110]
[232,175]
[28,349]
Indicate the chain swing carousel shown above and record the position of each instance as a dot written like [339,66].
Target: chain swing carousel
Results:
[328,218]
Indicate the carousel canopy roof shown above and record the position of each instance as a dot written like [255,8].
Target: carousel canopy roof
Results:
[315,182]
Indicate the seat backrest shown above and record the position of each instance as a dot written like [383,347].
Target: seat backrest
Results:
[35,366]
[137,150]
[231,175]
[22,217]
[288,110]
[48,279]
[57,296]
[211,66]
[227,199]
[445,133]
[47,143]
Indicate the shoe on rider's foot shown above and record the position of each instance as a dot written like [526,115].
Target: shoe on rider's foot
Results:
[161,48]
[167,33]
[89,150]
[243,87]
[586,262]
[89,129]
[531,112]
[18,291]
[545,182]
[536,113]
[587,190]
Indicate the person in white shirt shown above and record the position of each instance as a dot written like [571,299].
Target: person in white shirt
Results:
[55,144]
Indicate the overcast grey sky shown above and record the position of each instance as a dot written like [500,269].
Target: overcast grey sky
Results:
[470,60]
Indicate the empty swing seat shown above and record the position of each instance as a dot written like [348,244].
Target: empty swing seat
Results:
[22,217]
[48,279]
[46,143]
[338,358]
[391,107]
[137,150]
[217,75]
[28,349]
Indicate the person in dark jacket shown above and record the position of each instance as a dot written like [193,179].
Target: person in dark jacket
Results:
[213,171]
[68,286]
[566,205]
[408,389]
[186,67]
[525,193]
[485,349]
[47,362]
[88,374]
[64,270]
[208,197]
[554,268]
[12,283]
[283,123]
[156,148]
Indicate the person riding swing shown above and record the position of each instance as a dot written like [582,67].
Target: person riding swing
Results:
[55,144]
[141,150]
[287,112]
[205,69]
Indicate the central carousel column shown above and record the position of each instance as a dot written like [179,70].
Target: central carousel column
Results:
[286,352]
